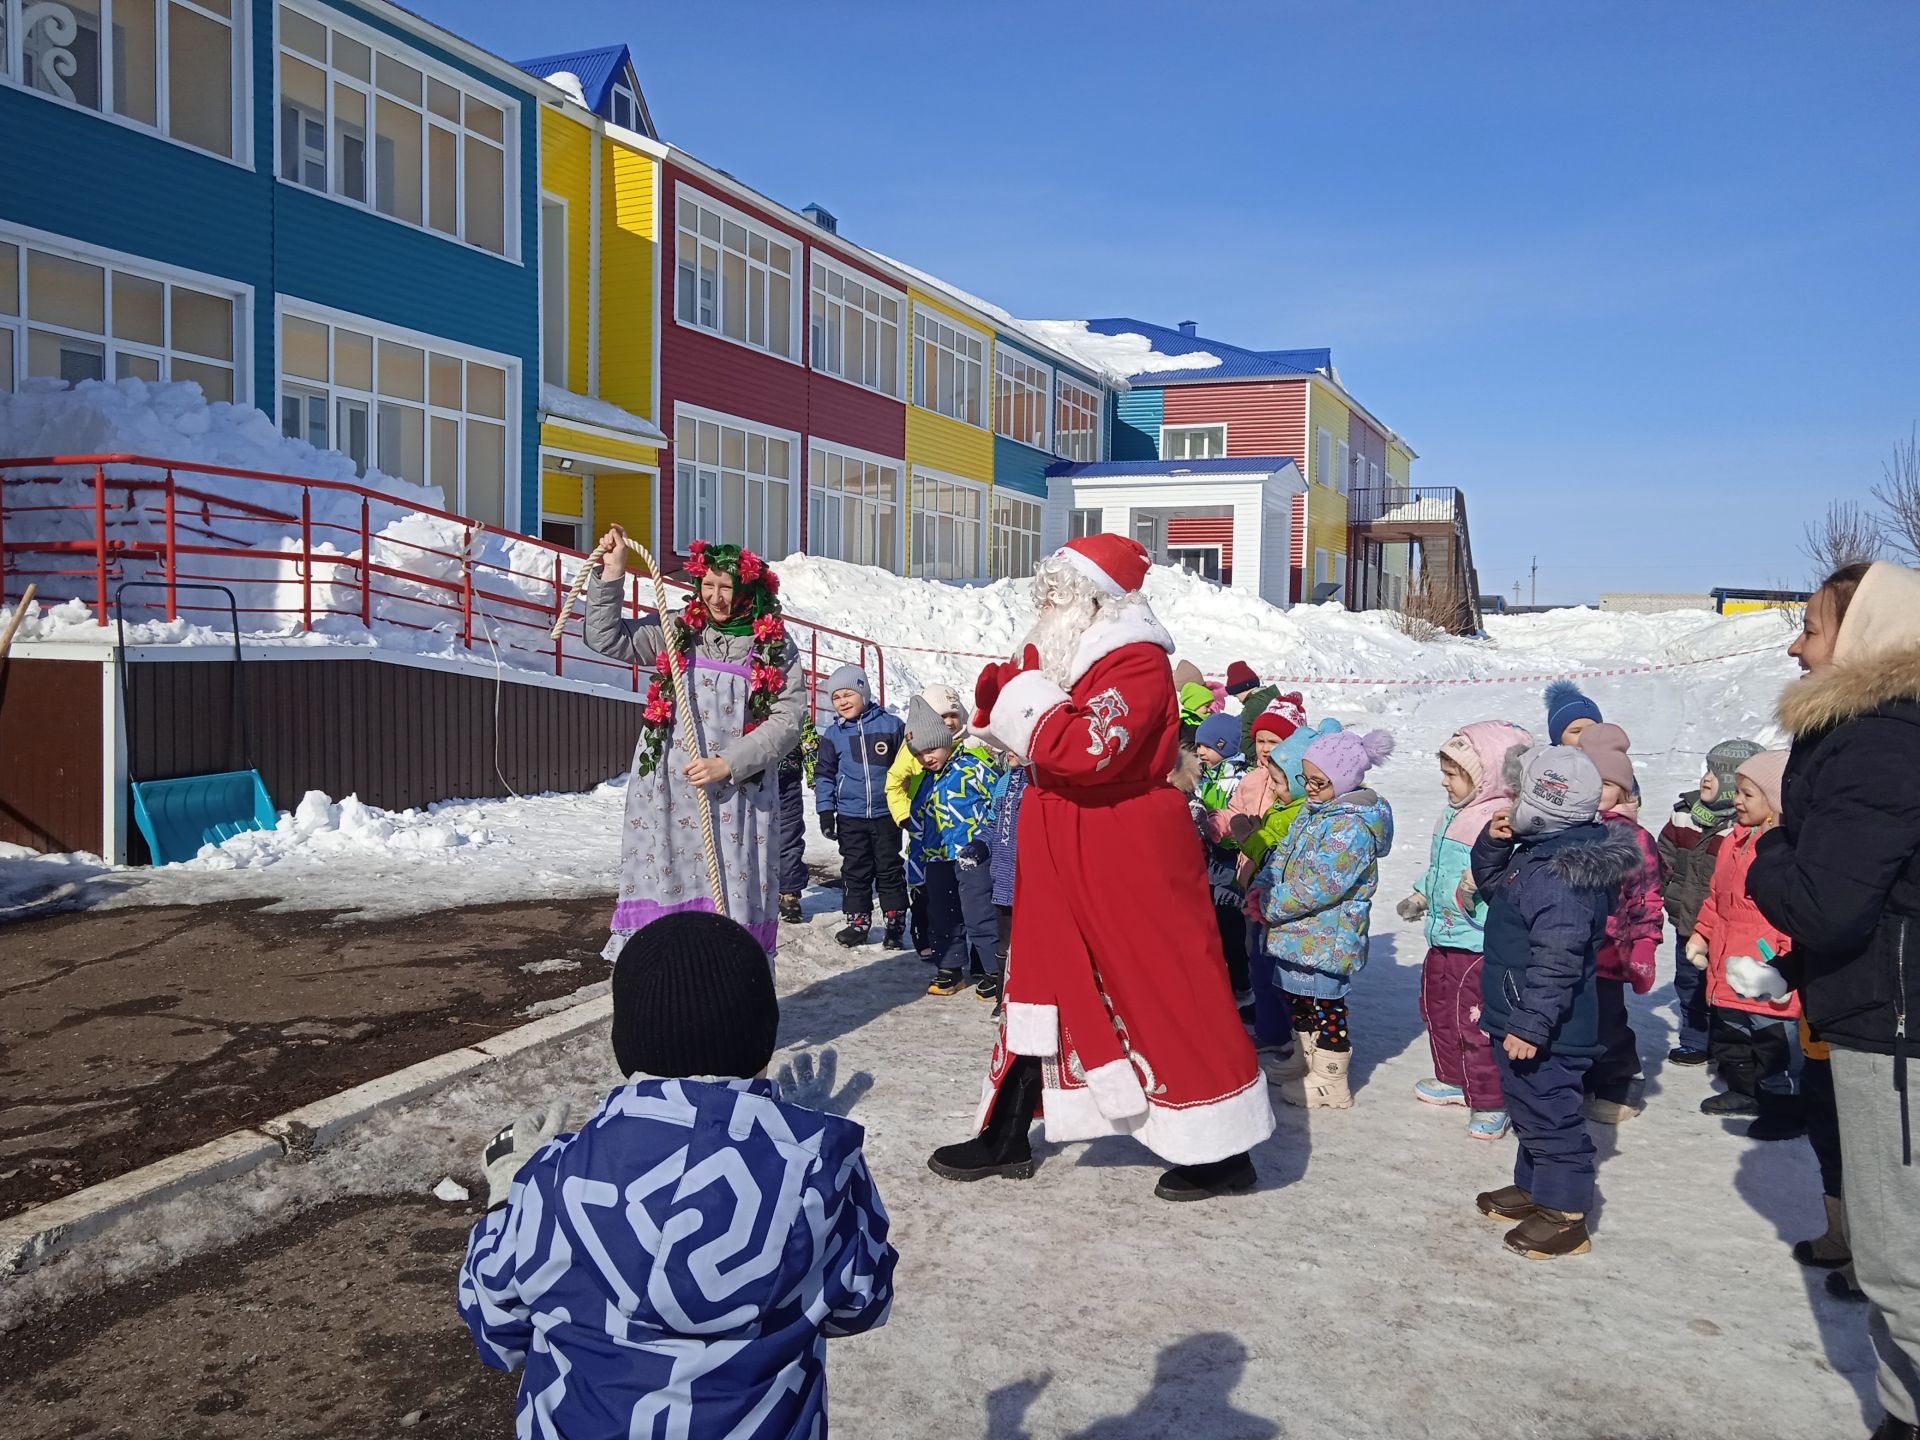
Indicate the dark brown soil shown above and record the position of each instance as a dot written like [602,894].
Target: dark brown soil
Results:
[340,1323]
[130,1034]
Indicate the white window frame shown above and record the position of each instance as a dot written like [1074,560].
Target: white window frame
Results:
[1337,572]
[564,318]
[683,531]
[623,91]
[1004,535]
[1342,465]
[1213,547]
[381,43]
[1323,462]
[820,303]
[13,60]
[916,561]
[582,523]
[798,276]
[1170,430]
[1068,440]
[818,449]
[921,389]
[14,328]
[1038,382]
[511,499]
[1084,520]
[1320,576]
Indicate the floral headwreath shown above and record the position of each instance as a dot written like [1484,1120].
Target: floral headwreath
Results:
[756,601]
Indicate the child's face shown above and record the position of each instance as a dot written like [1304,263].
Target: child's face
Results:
[1263,744]
[1571,735]
[1750,807]
[1208,755]
[847,703]
[955,723]
[1319,787]
[1612,797]
[1459,784]
[1709,788]
[936,758]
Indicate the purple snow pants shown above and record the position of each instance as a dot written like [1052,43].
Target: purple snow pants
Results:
[1450,1006]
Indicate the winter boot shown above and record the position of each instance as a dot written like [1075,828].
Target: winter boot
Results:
[1842,1284]
[857,929]
[1603,1111]
[1324,1086]
[1892,1427]
[896,933]
[1831,1250]
[1002,1147]
[1436,1091]
[1729,1104]
[1692,1059]
[790,912]
[1232,1176]
[1488,1125]
[1782,1117]
[1507,1204]
[1550,1235]
[1290,1067]
[988,988]
[948,982]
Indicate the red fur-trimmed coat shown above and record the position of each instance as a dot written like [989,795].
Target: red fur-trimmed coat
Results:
[1115,979]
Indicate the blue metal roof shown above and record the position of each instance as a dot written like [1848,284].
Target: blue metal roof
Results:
[1224,465]
[1236,362]
[597,69]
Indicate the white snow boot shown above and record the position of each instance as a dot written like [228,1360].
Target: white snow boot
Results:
[1324,1086]
[1283,1068]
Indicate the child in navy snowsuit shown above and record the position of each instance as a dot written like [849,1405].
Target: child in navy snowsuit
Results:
[677,1264]
[950,809]
[1548,873]
[1002,840]
[850,794]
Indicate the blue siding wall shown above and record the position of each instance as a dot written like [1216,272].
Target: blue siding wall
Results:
[1020,467]
[1136,423]
[102,183]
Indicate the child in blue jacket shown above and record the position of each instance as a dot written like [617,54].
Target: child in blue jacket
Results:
[950,810]
[1002,841]
[1548,871]
[678,1263]
[850,794]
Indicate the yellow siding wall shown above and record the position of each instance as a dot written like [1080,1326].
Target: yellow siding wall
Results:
[566,172]
[629,182]
[625,500]
[943,444]
[1399,465]
[1326,506]
[560,436]
[560,493]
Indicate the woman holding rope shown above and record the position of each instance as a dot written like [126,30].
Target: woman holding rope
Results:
[746,700]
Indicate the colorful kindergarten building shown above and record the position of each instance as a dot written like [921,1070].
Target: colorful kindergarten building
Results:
[496,278]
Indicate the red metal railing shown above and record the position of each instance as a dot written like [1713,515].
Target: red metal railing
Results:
[322,556]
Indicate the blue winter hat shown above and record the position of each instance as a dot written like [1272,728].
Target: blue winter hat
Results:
[1566,703]
[850,677]
[1220,732]
[1292,753]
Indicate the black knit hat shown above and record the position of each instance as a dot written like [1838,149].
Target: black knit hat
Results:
[693,995]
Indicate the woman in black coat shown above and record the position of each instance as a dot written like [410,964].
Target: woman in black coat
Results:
[1841,877]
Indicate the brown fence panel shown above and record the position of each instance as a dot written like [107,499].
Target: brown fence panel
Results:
[50,744]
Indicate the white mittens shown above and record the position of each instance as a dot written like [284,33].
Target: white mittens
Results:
[517,1144]
[1755,979]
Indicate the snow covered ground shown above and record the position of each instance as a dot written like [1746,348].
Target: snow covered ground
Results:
[1357,1292]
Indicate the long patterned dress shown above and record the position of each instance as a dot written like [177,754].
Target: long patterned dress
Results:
[663,867]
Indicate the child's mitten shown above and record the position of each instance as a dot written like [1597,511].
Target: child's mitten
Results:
[973,853]
[829,823]
[1697,953]
[1414,907]
[517,1144]
[1755,979]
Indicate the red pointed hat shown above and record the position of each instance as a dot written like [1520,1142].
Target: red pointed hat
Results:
[1118,564]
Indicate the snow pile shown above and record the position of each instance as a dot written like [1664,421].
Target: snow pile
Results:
[1126,354]
[318,828]
[563,404]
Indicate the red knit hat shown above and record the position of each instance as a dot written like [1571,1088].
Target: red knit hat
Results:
[1116,563]
[1274,723]
[1240,677]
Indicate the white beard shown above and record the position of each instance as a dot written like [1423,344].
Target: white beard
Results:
[1057,632]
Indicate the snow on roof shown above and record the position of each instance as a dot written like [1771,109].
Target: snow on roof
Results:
[563,404]
[1126,354]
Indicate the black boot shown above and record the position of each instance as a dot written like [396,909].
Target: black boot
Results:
[790,912]
[896,936]
[1894,1428]
[1231,1176]
[856,931]
[1002,1148]
[1782,1117]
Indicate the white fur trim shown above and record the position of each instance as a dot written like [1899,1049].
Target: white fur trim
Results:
[1116,1089]
[1192,1135]
[1113,627]
[1087,568]
[1033,1029]
[1019,707]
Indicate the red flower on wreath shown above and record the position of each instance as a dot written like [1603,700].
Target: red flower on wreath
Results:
[695,616]
[769,627]
[657,711]
[751,567]
[697,568]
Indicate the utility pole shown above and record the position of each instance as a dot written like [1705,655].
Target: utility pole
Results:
[1533,593]
[1516,592]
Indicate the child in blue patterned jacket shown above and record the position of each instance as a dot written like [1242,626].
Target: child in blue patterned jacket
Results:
[950,810]
[1314,892]
[1002,841]
[584,1274]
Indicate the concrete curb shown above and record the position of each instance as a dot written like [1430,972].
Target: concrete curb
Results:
[35,1236]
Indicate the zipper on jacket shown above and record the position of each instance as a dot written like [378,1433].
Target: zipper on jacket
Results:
[866,762]
[1900,1040]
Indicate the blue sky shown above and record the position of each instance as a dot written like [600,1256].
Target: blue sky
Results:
[1639,277]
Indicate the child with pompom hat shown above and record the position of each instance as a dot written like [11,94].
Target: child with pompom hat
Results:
[1314,892]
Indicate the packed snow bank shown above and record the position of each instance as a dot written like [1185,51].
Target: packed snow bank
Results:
[1126,354]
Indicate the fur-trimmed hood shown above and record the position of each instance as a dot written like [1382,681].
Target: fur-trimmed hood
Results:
[1593,861]
[1850,689]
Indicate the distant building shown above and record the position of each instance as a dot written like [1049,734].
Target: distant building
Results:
[1740,602]
[1655,602]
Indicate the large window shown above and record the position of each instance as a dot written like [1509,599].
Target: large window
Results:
[853,507]
[1076,421]
[946,527]
[1192,442]
[385,132]
[733,483]
[69,315]
[1016,535]
[553,292]
[1082,523]
[733,277]
[417,411]
[856,330]
[1342,466]
[625,108]
[1021,395]
[948,367]
[166,65]
[1323,466]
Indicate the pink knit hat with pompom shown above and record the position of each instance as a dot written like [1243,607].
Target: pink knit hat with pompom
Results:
[1345,756]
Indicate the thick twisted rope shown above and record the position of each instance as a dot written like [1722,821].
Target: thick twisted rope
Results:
[682,701]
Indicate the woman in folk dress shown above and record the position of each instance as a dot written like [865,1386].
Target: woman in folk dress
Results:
[739,670]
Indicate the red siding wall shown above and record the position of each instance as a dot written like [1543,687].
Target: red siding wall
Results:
[701,369]
[1299,548]
[1262,418]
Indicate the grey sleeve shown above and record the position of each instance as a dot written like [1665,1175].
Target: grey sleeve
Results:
[764,745]
[635,641]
